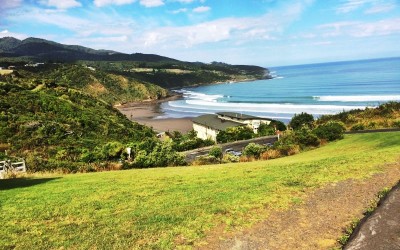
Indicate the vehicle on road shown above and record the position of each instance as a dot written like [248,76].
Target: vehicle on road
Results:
[232,152]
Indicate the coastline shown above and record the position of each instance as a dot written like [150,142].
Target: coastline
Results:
[145,113]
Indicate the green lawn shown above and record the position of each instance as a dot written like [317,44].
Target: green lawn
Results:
[158,208]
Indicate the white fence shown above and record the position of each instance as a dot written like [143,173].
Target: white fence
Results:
[8,166]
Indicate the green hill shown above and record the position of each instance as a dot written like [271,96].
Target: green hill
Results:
[175,207]
[54,126]
[163,71]
[113,88]
[43,50]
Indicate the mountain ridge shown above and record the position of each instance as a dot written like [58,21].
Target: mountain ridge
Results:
[38,49]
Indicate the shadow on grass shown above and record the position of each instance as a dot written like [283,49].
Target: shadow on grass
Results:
[23,182]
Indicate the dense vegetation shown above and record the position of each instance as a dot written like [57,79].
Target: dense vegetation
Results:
[386,115]
[172,207]
[58,127]
[245,133]
[111,88]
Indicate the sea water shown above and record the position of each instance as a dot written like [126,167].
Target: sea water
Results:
[318,89]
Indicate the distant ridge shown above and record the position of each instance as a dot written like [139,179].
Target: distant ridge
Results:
[43,50]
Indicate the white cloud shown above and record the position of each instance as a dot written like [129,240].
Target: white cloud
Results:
[104,24]
[352,5]
[184,1]
[375,6]
[8,4]
[64,4]
[361,29]
[236,30]
[380,8]
[6,33]
[201,9]
[151,3]
[101,3]
[182,10]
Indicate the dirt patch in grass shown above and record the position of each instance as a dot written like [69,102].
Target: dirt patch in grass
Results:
[315,223]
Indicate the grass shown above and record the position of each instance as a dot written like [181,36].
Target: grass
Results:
[166,207]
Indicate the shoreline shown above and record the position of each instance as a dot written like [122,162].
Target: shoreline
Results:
[145,112]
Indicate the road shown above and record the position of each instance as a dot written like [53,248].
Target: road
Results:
[237,146]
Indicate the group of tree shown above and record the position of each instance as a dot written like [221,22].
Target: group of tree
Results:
[245,133]
[304,134]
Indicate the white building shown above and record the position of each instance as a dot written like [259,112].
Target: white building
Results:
[208,126]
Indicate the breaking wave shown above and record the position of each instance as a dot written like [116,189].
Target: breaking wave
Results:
[357,98]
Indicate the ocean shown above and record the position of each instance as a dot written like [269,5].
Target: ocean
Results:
[318,89]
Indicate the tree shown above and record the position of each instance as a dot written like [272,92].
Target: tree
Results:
[300,120]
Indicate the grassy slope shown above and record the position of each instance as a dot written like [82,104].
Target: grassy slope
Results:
[160,207]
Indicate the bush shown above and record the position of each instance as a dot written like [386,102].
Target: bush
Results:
[396,124]
[305,138]
[253,150]
[300,120]
[228,158]
[162,155]
[235,134]
[357,127]
[330,131]
[271,154]
[216,151]
[205,160]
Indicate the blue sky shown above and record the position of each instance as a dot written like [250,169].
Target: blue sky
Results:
[262,32]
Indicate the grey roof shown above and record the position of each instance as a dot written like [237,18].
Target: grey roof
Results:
[241,116]
[214,122]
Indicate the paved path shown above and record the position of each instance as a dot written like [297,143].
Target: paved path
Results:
[381,230]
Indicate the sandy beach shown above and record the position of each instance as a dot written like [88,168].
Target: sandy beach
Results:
[146,112]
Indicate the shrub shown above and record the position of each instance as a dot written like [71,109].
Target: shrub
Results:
[253,150]
[205,160]
[228,158]
[357,127]
[216,151]
[300,120]
[271,154]
[330,131]
[396,124]
[305,137]
[235,134]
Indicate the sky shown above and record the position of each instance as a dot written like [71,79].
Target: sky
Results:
[260,32]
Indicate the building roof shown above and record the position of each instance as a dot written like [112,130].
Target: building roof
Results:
[241,116]
[214,122]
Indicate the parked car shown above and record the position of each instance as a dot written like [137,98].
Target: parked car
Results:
[232,152]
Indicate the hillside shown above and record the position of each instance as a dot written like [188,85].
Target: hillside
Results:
[163,71]
[54,126]
[178,207]
[386,115]
[43,50]
[113,88]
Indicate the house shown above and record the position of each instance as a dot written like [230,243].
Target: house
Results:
[208,126]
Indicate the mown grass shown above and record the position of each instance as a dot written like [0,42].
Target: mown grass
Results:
[169,207]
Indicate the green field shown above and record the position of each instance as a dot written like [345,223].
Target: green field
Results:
[165,207]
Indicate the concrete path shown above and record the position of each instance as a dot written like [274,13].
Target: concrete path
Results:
[381,230]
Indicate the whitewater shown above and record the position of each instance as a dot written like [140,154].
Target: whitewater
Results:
[318,89]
